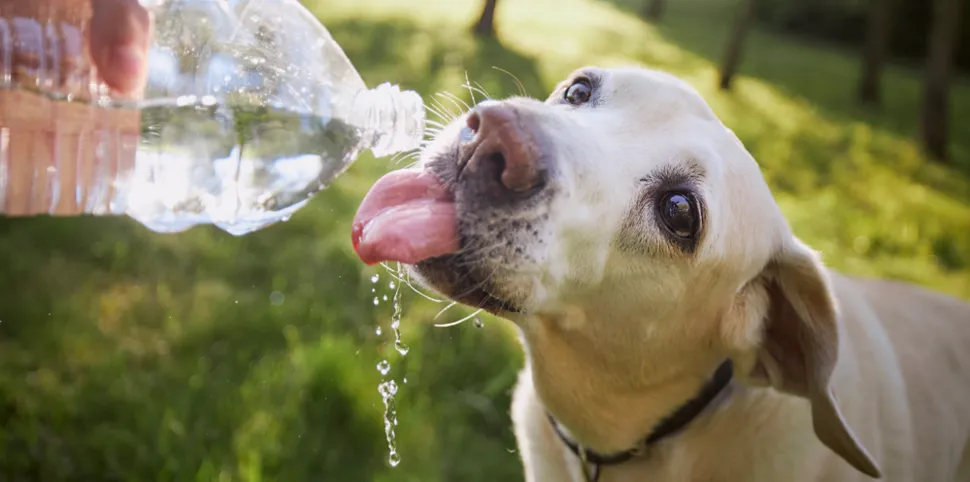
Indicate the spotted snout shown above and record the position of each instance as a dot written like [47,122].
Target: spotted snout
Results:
[500,165]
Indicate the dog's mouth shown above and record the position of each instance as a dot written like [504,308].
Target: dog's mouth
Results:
[410,216]
[461,280]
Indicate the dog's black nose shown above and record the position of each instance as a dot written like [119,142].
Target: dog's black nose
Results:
[502,148]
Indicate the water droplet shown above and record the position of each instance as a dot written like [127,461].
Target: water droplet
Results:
[478,322]
[390,285]
[384,366]
[373,290]
[396,324]
[384,297]
[276,298]
[405,379]
[387,390]
[378,331]
[375,278]
[237,302]
[376,301]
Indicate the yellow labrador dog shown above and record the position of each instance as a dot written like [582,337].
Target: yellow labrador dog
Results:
[675,328]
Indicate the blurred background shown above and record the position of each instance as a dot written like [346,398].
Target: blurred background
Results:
[132,356]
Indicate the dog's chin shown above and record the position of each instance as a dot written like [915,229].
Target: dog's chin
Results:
[455,279]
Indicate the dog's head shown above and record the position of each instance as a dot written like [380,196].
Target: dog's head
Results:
[624,217]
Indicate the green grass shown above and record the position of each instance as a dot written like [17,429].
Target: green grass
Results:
[126,355]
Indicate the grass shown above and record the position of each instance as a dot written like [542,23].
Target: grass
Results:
[126,355]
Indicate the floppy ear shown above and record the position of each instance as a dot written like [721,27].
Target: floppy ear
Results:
[800,346]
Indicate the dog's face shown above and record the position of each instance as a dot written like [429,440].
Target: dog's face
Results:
[631,237]
[622,190]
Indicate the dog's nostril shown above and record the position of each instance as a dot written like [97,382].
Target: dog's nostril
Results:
[499,145]
[497,161]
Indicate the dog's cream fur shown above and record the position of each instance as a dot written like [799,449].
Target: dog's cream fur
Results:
[835,376]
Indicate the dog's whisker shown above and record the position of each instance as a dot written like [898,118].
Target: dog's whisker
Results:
[458,103]
[403,156]
[453,303]
[435,107]
[456,323]
[407,282]
[480,89]
[446,114]
[408,162]
[471,92]
[411,156]
[433,127]
[515,79]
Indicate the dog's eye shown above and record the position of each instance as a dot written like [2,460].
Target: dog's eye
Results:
[579,93]
[679,214]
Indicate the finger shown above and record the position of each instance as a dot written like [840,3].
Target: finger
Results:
[120,33]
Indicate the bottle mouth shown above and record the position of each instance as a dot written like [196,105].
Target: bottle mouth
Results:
[402,116]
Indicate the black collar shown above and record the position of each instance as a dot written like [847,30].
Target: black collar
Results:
[667,427]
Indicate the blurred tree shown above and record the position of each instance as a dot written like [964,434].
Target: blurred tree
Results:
[878,27]
[844,22]
[486,23]
[735,44]
[653,9]
[933,117]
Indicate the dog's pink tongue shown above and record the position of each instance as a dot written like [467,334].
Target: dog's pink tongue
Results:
[407,216]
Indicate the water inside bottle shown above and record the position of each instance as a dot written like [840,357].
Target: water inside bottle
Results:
[239,166]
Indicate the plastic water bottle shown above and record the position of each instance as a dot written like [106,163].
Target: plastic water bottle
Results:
[250,108]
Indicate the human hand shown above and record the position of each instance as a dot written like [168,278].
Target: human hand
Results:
[51,141]
[116,39]
[119,34]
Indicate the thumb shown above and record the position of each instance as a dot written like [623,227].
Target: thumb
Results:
[120,33]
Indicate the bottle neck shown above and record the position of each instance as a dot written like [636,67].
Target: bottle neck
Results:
[392,120]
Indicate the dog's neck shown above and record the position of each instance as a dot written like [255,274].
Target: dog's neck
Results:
[673,424]
[606,391]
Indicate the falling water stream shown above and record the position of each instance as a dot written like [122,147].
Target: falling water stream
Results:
[396,321]
[388,387]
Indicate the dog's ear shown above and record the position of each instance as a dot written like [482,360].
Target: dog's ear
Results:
[800,346]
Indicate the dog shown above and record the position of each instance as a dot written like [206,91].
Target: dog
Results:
[675,329]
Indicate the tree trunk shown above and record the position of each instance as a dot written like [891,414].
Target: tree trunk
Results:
[486,23]
[653,9]
[732,56]
[874,53]
[933,119]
